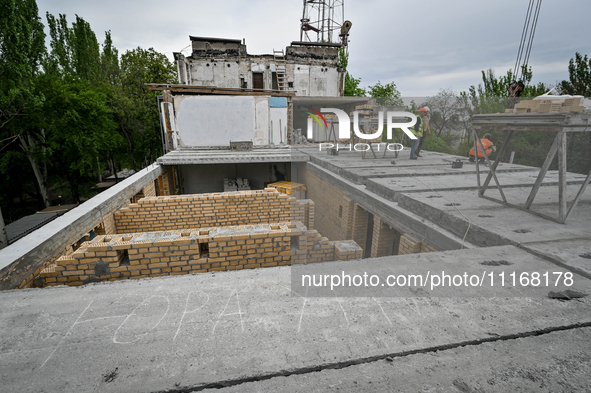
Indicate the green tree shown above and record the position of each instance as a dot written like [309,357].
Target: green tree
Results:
[21,51]
[579,71]
[352,88]
[491,96]
[386,95]
[579,83]
[137,112]
[79,128]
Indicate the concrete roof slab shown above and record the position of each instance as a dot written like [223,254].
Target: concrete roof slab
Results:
[562,364]
[390,188]
[492,223]
[574,253]
[187,332]
[218,156]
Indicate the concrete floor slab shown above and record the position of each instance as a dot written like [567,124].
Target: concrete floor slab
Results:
[574,253]
[391,188]
[490,223]
[554,362]
[351,166]
[185,332]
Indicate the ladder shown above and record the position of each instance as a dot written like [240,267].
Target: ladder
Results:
[280,67]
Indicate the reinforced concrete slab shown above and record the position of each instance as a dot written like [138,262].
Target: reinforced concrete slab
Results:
[189,332]
[562,364]
[487,223]
[391,188]
[351,166]
[574,253]
[218,156]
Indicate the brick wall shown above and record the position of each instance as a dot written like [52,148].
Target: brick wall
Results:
[134,256]
[383,238]
[211,210]
[334,210]
[149,190]
[410,245]
[166,182]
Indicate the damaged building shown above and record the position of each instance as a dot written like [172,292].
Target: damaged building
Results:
[308,69]
[188,275]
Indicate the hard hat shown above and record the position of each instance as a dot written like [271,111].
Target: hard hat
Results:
[423,110]
[427,109]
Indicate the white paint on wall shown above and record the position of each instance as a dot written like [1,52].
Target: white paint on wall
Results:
[279,117]
[215,121]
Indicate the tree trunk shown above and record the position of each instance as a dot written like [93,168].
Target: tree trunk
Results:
[41,180]
[130,143]
[3,236]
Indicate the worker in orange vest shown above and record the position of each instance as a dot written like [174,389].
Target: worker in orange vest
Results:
[488,146]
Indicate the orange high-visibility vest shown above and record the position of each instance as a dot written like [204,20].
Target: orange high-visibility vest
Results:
[488,148]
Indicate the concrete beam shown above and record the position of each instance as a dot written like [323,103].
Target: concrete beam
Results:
[22,258]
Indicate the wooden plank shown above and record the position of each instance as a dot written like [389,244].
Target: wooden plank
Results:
[562,176]
[542,174]
[191,89]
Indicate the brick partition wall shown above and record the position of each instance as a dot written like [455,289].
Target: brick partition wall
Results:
[212,210]
[334,209]
[410,245]
[134,256]
[383,238]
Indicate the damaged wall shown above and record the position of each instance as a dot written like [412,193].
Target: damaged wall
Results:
[311,71]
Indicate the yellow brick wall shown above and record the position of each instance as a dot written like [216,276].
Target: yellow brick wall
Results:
[166,182]
[383,238]
[410,245]
[210,210]
[193,251]
[334,210]
[149,190]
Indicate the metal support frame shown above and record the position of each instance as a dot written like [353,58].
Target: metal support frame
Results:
[558,149]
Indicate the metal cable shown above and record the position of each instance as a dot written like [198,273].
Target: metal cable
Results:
[522,41]
[533,32]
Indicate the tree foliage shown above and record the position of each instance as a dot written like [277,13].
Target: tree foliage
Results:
[386,95]
[579,83]
[70,110]
[449,112]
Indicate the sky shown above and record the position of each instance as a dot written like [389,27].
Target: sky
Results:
[421,46]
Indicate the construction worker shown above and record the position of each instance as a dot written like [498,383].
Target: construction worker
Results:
[417,131]
[488,146]
[426,128]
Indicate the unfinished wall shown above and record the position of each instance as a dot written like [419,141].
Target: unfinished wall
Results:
[166,182]
[210,210]
[382,239]
[410,245]
[334,210]
[134,256]
[207,178]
